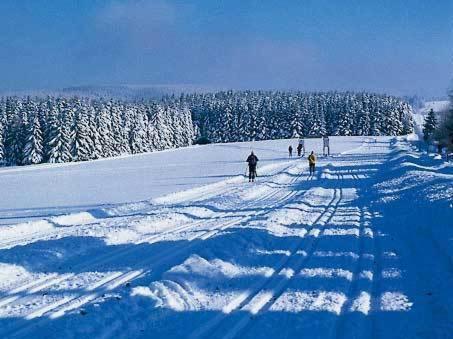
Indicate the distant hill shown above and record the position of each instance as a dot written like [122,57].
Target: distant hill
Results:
[134,92]
[123,92]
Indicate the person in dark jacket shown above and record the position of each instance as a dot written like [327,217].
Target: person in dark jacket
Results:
[252,161]
[290,151]
[299,150]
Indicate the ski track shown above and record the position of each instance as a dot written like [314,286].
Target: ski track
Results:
[59,307]
[266,293]
[360,287]
[205,192]
[108,283]
[272,281]
[279,282]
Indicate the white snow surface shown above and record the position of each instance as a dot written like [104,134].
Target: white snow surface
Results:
[178,244]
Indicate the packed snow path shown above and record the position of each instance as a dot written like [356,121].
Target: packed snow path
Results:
[362,249]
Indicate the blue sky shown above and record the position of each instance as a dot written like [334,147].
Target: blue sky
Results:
[393,46]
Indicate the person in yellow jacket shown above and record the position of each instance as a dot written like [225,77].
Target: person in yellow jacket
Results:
[312,162]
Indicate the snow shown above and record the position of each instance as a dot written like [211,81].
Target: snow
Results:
[178,244]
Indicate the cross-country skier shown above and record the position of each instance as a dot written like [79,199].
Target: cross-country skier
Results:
[312,162]
[252,161]
[290,151]
[299,150]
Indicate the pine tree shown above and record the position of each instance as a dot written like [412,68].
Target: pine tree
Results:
[15,134]
[82,148]
[137,139]
[429,125]
[59,147]
[33,149]
[2,142]
[444,134]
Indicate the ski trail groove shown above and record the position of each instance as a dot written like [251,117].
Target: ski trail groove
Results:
[70,303]
[340,329]
[99,260]
[279,286]
[244,299]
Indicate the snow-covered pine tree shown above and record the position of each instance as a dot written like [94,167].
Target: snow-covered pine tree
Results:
[83,146]
[363,125]
[153,133]
[118,143]
[59,146]
[15,133]
[186,128]
[2,131]
[295,122]
[97,150]
[429,125]
[33,150]
[2,140]
[137,139]
[163,122]
[104,131]
[406,118]
[345,121]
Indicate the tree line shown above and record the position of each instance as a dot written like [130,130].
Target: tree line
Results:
[57,130]
[37,130]
[257,115]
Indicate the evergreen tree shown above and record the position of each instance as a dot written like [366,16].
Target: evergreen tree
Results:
[59,148]
[444,133]
[15,136]
[82,146]
[137,139]
[2,142]
[429,125]
[33,149]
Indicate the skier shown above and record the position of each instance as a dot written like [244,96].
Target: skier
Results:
[312,162]
[290,151]
[301,146]
[252,161]
[299,150]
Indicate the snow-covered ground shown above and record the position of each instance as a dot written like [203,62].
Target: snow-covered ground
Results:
[43,190]
[116,248]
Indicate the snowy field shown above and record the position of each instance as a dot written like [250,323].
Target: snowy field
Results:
[177,244]
[44,190]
